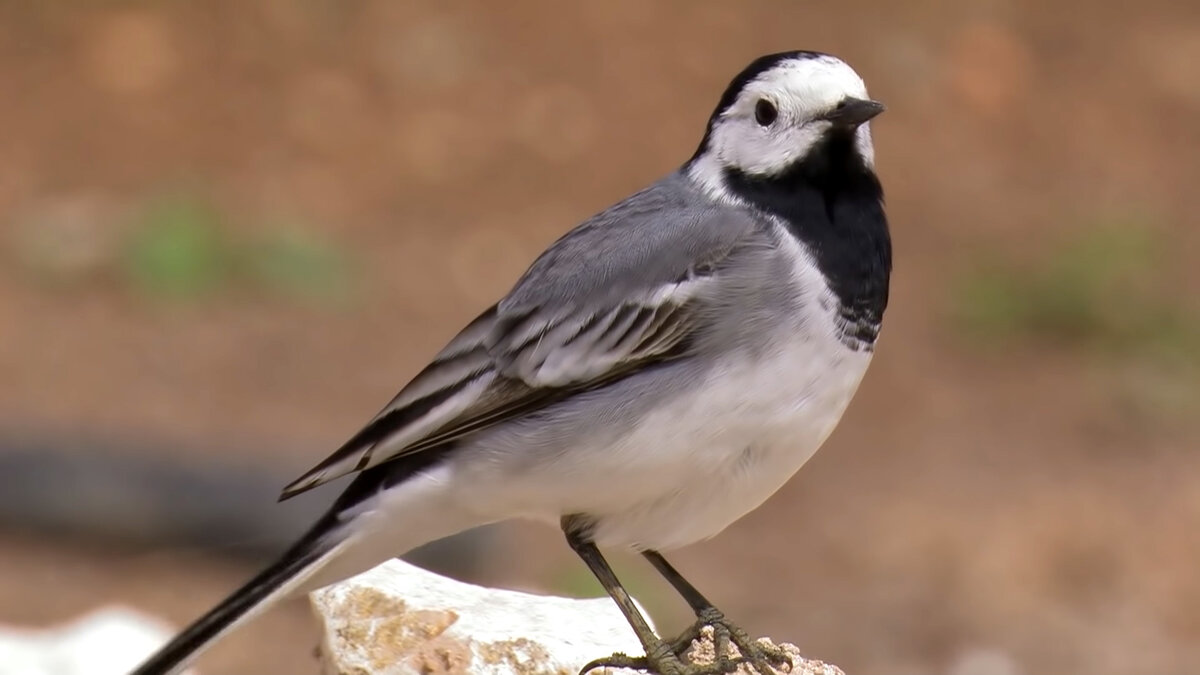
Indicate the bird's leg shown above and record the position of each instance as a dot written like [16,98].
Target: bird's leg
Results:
[659,657]
[763,658]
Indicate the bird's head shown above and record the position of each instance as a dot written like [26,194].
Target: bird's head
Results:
[780,110]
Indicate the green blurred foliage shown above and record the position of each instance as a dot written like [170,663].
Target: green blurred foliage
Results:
[182,248]
[1107,287]
[177,250]
[295,262]
[1108,291]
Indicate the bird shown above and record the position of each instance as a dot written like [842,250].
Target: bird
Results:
[656,373]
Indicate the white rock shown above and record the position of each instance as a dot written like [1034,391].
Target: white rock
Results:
[109,641]
[398,619]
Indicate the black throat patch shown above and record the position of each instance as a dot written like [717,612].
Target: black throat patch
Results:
[833,202]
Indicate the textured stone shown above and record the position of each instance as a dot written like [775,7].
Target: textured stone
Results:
[398,619]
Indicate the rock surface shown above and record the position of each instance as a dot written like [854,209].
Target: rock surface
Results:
[398,619]
[110,641]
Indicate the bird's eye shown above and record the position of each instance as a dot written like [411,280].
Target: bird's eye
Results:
[765,112]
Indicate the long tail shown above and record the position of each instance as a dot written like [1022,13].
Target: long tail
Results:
[363,528]
[278,581]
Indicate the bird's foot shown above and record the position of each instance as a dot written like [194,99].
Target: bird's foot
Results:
[670,665]
[765,659]
[673,658]
[661,661]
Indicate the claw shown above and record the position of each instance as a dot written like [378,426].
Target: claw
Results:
[674,659]
[760,658]
[666,664]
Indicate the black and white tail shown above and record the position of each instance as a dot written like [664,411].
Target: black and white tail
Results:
[278,581]
[340,545]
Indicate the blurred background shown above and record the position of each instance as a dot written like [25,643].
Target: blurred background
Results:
[229,231]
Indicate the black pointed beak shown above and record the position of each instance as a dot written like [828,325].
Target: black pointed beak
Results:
[852,112]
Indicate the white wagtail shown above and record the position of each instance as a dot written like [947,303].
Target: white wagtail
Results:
[657,373]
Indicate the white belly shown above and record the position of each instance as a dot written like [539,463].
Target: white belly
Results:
[698,464]
[685,469]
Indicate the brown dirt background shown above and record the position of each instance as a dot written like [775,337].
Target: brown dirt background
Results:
[975,512]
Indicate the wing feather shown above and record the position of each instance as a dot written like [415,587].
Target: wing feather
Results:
[468,392]
[535,348]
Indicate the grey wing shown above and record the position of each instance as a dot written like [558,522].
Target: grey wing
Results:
[622,290]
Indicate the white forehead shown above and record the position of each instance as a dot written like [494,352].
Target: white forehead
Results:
[817,83]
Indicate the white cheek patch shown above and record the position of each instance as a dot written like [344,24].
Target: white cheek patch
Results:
[802,90]
[763,151]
